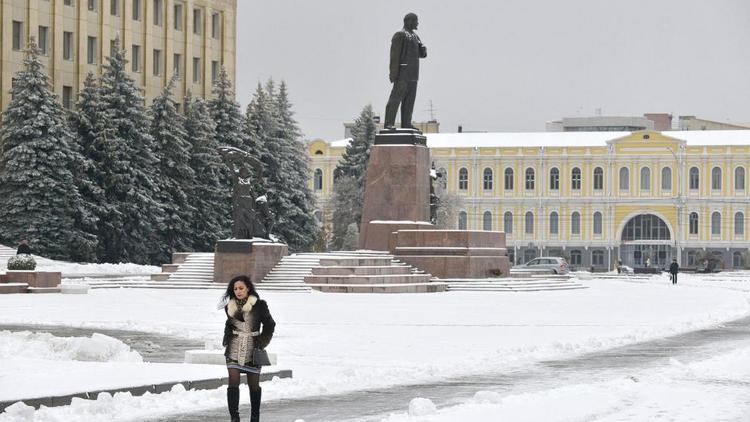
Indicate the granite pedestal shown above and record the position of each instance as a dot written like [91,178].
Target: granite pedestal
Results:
[252,257]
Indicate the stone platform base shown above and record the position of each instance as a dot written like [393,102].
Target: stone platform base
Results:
[252,257]
[453,253]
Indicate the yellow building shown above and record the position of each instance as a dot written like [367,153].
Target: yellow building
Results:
[593,197]
[190,38]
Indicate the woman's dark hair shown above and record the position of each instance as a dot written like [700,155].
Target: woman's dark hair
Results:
[229,293]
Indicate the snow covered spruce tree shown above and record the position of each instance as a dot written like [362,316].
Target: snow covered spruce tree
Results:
[176,177]
[128,170]
[226,113]
[346,195]
[353,164]
[39,198]
[209,194]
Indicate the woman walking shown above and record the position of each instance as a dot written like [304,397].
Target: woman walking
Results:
[246,312]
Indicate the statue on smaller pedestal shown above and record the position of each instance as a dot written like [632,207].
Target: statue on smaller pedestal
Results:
[252,217]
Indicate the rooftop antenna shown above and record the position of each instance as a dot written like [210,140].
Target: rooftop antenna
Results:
[598,111]
[431,109]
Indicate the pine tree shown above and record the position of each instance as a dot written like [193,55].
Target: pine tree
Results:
[210,196]
[127,169]
[345,195]
[176,177]
[226,113]
[39,198]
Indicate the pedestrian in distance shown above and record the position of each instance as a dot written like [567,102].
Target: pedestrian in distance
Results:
[24,248]
[673,270]
[246,313]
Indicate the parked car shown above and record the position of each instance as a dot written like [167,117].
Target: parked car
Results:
[553,263]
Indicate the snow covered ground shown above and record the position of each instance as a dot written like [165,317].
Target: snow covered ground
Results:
[339,343]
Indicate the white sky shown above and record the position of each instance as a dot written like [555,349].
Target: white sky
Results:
[502,65]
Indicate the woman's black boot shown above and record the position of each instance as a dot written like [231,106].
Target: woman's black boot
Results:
[255,405]
[233,403]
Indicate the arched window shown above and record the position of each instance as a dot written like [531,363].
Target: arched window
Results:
[508,222]
[597,223]
[693,223]
[646,227]
[463,179]
[487,179]
[739,224]
[575,178]
[575,257]
[462,220]
[666,178]
[739,178]
[318,179]
[624,178]
[529,229]
[597,258]
[487,221]
[598,178]
[715,224]
[529,178]
[553,223]
[694,182]
[645,178]
[575,223]
[716,178]
[554,178]
[509,179]
[737,260]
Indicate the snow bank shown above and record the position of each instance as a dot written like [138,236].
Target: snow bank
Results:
[72,269]
[45,346]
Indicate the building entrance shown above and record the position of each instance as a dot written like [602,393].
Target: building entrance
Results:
[646,240]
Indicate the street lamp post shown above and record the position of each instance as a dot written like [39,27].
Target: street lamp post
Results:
[680,200]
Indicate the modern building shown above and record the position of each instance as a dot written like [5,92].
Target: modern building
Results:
[189,38]
[695,123]
[593,197]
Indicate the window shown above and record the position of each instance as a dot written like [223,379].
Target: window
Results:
[114,7]
[694,178]
[91,50]
[553,223]
[554,179]
[575,179]
[692,258]
[739,178]
[646,227]
[44,39]
[487,221]
[216,26]
[487,179]
[214,71]
[716,178]
[509,179]
[737,260]
[92,5]
[318,180]
[597,223]
[196,70]
[529,229]
[508,222]
[693,223]
[598,178]
[68,2]
[575,223]
[197,21]
[67,45]
[529,178]
[645,178]
[136,59]
[157,62]
[136,10]
[463,179]
[17,35]
[178,17]
[739,224]
[715,224]
[67,97]
[624,178]
[575,257]
[597,258]
[462,220]
[666,178]
[158,12]
[177,58]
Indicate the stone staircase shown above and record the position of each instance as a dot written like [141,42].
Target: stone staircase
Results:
[534,283]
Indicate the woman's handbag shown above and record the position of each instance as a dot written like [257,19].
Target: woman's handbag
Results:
[260,358]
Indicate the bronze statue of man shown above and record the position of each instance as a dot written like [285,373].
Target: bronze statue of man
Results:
[252,217]
[406,50]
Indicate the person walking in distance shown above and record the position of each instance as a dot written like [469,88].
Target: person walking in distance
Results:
[406,50]
[246,313]
[674,268]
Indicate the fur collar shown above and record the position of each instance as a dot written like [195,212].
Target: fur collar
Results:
[232,307]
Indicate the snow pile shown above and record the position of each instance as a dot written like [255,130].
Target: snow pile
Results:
[45,346]
[73,269]
[421,407]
